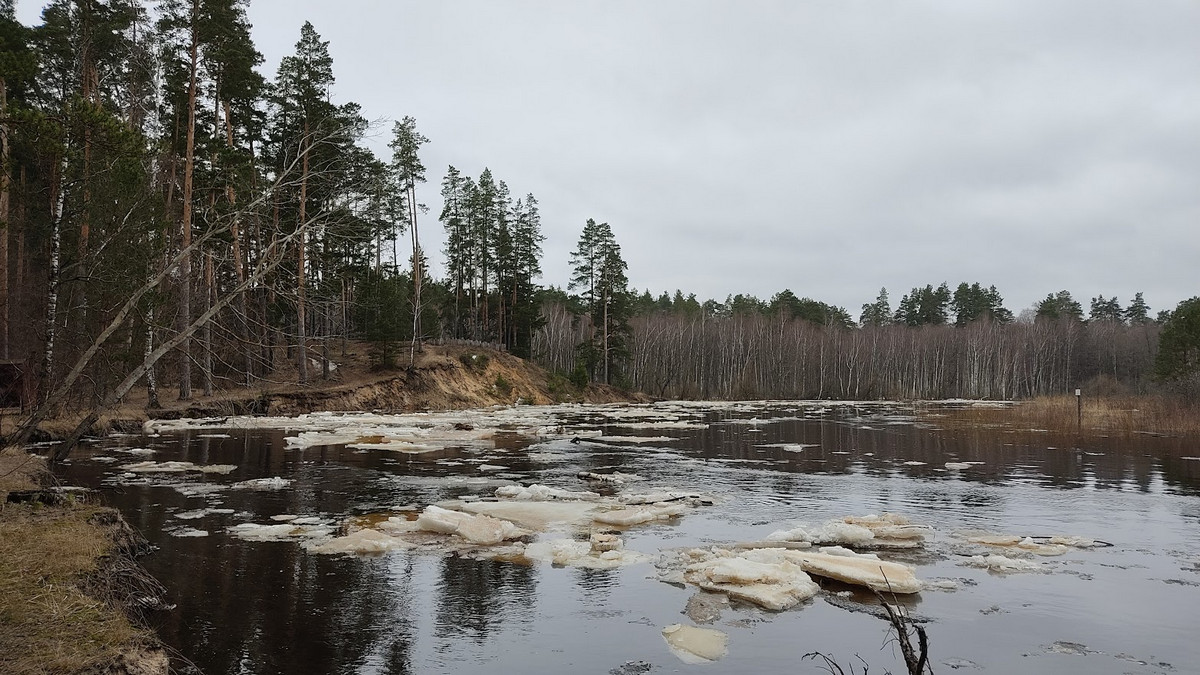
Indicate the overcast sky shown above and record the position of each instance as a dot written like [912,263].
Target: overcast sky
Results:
[828,147]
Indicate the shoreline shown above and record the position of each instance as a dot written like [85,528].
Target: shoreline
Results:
[72,593]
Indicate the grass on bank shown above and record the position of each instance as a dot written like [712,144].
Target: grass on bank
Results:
[50,557]
[1112,415]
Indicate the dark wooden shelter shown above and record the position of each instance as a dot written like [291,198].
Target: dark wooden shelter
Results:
[16,385]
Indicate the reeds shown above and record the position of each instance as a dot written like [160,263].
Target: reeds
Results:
[1110,415]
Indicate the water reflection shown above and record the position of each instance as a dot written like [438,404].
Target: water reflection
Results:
[269,607]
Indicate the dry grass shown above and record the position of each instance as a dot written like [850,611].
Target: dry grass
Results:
[51,560]
[48,624]
[1111,415]
[19,470]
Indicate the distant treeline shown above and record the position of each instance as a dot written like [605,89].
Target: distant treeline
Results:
[937,345]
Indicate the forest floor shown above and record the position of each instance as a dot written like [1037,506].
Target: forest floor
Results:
[1107,415]
[69,584]
[444,377]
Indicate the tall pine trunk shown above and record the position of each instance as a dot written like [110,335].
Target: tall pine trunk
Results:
[416,265]
[5,189]
[185,265]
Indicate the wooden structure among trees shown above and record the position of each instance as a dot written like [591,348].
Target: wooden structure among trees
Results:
[17,388]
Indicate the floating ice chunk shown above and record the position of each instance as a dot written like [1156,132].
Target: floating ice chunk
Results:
[213,436]
[879,575]
[272,483]
[891,530]
[187,532]
[602,542]
[280,532]
[177,467]
[476,529]
[660,425]
[914,463]
[1074,542]
[1026,544]
[839,550]
[664,497]
[362,541]
[492,467]
[1002,564]
[795,534]
[775,584]
[958,466]
[635,515]
[136,451]
[616,477]
[696,645]
[542,493]
[284,517]
[200,513]
[536,515]
[572,553]
[790,447]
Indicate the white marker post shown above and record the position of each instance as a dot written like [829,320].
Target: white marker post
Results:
[1079,410]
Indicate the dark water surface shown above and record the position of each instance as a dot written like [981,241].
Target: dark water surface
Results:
[271,607]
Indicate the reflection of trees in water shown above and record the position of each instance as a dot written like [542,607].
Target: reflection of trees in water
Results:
[270,607]
[474,597]
[595,585]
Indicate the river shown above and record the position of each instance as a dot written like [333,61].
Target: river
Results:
[1126,605]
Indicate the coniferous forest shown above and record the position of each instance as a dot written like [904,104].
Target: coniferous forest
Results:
[172,218]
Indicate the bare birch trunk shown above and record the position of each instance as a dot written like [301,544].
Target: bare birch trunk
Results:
[301,328]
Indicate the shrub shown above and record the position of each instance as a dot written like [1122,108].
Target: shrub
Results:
[476,363]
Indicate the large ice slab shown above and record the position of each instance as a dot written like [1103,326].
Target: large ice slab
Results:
[694,645]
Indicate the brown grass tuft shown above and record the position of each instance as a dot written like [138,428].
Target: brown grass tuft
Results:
[52,559]
[1113,415]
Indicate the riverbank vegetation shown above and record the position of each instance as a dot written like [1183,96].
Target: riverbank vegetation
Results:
[65,572]
[176,223]
[1111,415]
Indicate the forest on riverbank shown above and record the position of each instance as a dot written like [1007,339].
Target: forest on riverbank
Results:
[174,219]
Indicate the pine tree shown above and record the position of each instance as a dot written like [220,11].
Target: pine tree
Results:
[1138,312]
[406,165]
[924,306]
[1103,309]
[878,313]
[1178,355]
[304,112]
[1059,306]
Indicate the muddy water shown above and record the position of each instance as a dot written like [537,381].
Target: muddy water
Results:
[270,607]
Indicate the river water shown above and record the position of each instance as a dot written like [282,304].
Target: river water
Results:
[244,606]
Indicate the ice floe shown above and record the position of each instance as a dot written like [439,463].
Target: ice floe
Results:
[476,529]
[586,554]
[616,477]
[1048,546]
[694,645]
[888,530]
[272,483]
[774,583]
[361,541]
[177,467]
[1002,564]
[539,493]
[635,515]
